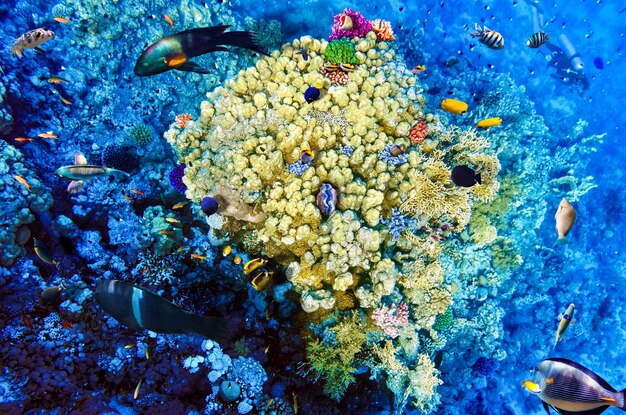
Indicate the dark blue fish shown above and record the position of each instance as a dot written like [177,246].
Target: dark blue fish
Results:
[465,176]
[598,63]
[137,308]
[209,205]
[311,94]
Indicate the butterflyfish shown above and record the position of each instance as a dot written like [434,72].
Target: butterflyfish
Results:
[253,265]
[453,106]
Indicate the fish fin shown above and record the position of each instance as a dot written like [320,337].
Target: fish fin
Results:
[241,39]
[39,50]
[112,170]
[214,328]
[583,369]
[623,393]
[192,67]
[609,400]
[546,407]
[477,178]
[560,241]
[594,411]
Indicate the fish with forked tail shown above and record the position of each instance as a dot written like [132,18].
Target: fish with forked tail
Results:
[137,308]
[175,51]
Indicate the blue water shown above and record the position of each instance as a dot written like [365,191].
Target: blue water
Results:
[559,138]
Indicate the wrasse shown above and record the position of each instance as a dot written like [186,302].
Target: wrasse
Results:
[56,80]
[137,389]
[22,181]
[172,220]
[137,192]
[61,19]
[489,122]
[65,100]
[24,139]
[31,40]
[253,264]
[169,20]
[48,134]
[453,106]
[199,257]
[488,37]
[180,205]
[85,172]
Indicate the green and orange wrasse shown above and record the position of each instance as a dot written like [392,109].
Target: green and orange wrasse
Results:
[566,319]
[85,172]
[570,388]
[138,308]
[175,51]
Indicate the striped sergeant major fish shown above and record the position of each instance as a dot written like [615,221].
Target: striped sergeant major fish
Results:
[137,308]
[570,388]
[488,37]
[537,39]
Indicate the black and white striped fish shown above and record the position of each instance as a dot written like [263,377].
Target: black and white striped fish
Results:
[537,40]
[570,388]
[488,37]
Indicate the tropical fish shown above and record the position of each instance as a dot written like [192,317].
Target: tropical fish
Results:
[48,134]
[326,199]
[56,80]
[565,217]
[346,67]
[31,40]
[65,100]
[566,319]
[209,205]
[305,50]
[24,139]
[465,176]
[237,260]
[253,264]
[261,280]
[22,181]
[331,66]
[397,150]
[418,69]
[137,389]
[198,257]
[311,94]
[51,294]
[85,172]
[307,155]
[453,106]
[128,198]
[61,19]
[488,37]
[345,22]
[172,220]
[43,252]
[137,308]
[537,39]
[169,20]
[138,192]
[489,122]
[175,51]
[180,205]
[572,389]
[75,186]
[227,250]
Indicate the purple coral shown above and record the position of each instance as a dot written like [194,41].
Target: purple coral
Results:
[176,178]
[399,222]
[298,167]
[360,26]
[391,319]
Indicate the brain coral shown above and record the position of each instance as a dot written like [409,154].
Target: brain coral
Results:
[249,133]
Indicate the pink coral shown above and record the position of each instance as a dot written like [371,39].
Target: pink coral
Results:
[360,26]
[392,319]
[418,132]
[336,77]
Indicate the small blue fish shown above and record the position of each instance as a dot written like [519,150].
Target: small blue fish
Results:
[327,199]
[311,94]
[209,205]
[305,50]
[307,155]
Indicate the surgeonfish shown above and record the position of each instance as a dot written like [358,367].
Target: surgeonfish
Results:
[137,308]
[85,172]
[31,40]
[572,389]
[51,294]
[43,252]
[489,122]
[465,176]
[253,264]
[537,39]
[565,217]
[488,37]
[175,51]
[566,319]
[453,106]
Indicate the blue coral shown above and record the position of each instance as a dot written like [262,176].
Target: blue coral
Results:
[398,223]
[386,156]
[119,157]
[298,167]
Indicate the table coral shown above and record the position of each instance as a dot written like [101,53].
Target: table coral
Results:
[244,149]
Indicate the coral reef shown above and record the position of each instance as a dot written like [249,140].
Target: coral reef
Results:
[360,26]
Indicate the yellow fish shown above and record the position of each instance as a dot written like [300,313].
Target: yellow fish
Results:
[65,100]
[489,122]
[227,250]
[180,204]
[136,394]
[453,106]
[168,19]
[56,80]
[22,181]
[565,217]
[172,220]
[200,257]
[237,260]
[253,264]
[418,69]
[566,319]
[261,280]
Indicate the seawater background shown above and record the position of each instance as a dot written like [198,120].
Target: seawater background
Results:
[590,270]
